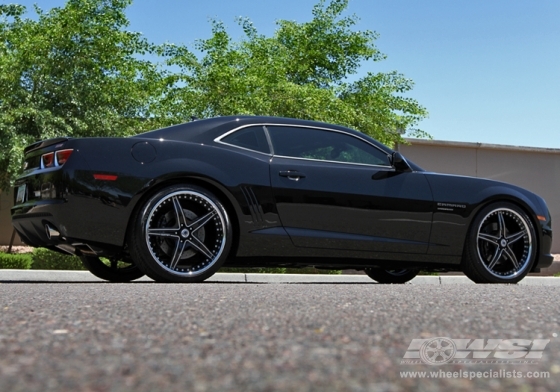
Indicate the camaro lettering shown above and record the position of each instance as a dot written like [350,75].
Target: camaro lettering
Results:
[450,206]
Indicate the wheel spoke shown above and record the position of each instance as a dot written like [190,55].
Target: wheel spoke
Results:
[177,253]
[489,238]
[515,237]
[185,233]
[200,222]
[512,257]
[502,224]
[165,232]
[496,258]
[511,233]
[179,213]
[199,246]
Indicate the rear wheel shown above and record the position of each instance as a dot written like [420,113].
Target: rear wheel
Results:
[112,270]
[501,245]
[181,234]
[391,276]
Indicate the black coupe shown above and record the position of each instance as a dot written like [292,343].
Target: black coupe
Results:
[179,203]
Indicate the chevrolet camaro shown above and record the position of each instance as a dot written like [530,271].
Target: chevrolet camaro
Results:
[179,203]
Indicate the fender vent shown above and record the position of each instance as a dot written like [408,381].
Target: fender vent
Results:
[252,202]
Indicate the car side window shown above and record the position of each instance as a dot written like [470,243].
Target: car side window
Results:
[311,143]
[252,138]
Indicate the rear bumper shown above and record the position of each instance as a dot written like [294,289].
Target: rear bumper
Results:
[43,229]
[73,219]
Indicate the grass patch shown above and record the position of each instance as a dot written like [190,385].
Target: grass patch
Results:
[430,273]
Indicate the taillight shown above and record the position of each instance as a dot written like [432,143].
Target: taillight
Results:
[62,156]
[54,159]
[47,160]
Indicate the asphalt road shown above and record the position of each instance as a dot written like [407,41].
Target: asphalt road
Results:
[266,337]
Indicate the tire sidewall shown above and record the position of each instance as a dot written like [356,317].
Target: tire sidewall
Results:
[141,253]
[102,271]
[386,277]
[474,266]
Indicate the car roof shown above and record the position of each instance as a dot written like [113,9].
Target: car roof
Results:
[206,130]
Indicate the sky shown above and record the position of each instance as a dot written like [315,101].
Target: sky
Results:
[488,71]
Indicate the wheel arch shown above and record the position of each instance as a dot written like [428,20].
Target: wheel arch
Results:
[519,201]
[220,191]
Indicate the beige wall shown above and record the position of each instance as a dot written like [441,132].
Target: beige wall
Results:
[535,169]
[6,229]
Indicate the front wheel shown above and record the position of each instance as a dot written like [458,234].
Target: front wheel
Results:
[181,234]
[501,245]
[391,276]
[111,270]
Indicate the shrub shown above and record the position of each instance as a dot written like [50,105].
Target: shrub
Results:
[45,259]
[15,261]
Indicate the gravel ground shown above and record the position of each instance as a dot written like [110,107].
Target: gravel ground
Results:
[262,337]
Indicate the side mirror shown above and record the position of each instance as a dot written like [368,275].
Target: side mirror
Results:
[399,162]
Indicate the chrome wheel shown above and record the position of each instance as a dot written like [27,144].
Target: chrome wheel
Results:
[185,233]
[504,243]
[501,245]
[181,234]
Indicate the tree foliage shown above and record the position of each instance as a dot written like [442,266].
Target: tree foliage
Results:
[301,71]
[77,71]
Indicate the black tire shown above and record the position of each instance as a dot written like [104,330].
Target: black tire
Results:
[114,272]
[391,276]
[181,234]
[501,245]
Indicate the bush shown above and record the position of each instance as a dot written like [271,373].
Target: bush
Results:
[45,259]
[15,261]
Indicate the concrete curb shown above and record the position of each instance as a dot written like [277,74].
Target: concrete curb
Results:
[7,275]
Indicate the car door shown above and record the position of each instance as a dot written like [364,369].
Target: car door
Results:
[335,190]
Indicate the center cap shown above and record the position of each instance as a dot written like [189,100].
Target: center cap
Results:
[184,233]
[503,242]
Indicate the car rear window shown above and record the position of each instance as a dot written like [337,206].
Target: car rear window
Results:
[252,138]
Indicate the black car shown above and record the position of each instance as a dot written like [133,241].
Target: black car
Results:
[179,203]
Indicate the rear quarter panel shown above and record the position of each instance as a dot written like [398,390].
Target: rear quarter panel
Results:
[112,203]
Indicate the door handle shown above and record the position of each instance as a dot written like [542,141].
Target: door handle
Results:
[293,175]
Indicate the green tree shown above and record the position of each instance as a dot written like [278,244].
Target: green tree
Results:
[75,71]
[301,71]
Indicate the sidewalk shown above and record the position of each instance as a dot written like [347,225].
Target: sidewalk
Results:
[86,277]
